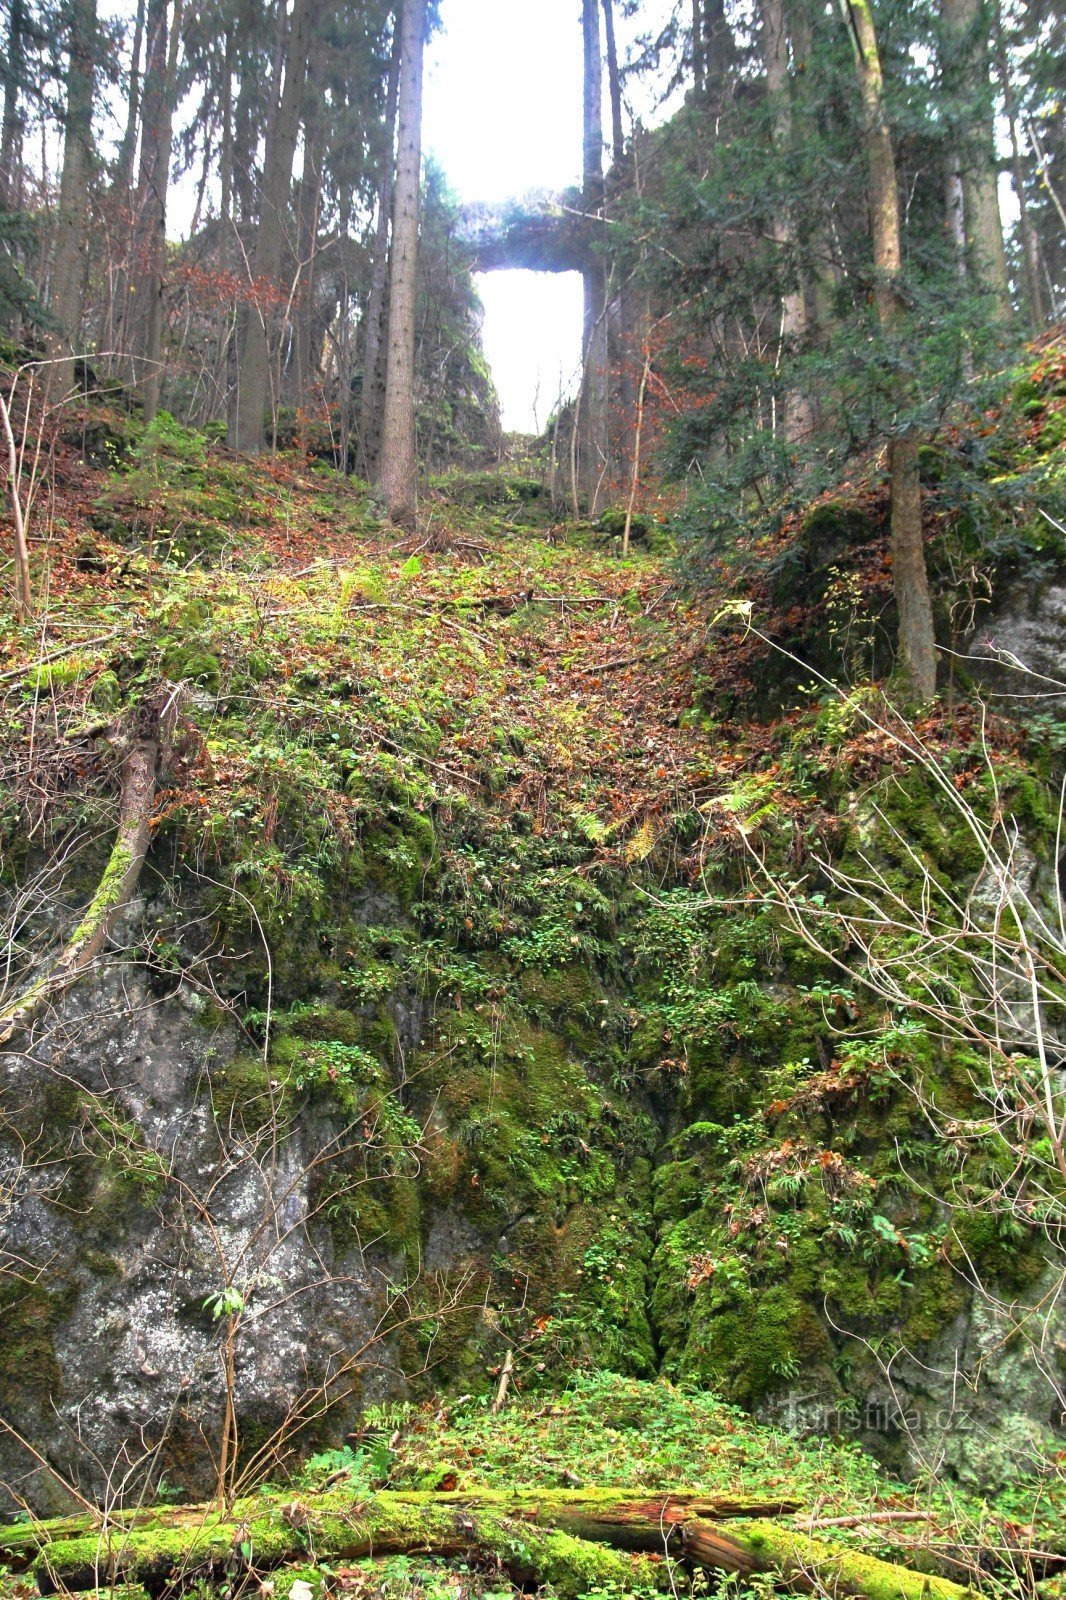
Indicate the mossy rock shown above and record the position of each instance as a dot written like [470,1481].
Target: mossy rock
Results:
[192,663]
[324,1023]
[612,522]
[29,1316]
[832,531]
[107,692]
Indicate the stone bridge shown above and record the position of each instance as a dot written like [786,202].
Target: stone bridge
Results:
[541,232]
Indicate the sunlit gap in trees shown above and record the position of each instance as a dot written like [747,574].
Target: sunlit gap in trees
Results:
[532,341]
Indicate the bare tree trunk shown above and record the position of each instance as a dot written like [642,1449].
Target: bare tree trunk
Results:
[307,209]
[14,68]
[68,272]
[965,24]
[226,152]
[245,126]
[372,400]
[150,226]
[1034,289]
[697,46]
[310,200]
[817,265]
[614,83]
[717,52]
[127,150]
[253,363]
[594,336]
[148,753]
[23,587]
[398,464]
[910,581]
[799,413]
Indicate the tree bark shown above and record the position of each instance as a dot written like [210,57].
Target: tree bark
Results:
[697,46]
[258,323]
[145,339]
[372,399]
[398,475]
[544,1534]
[23,586]
[717,53]
[68,270]
[14,71]
[594,440]
[614,84]
[127,150]
[966,30]
[917,638]
[1034,289]
[798,411]
[226,107]
[309,199]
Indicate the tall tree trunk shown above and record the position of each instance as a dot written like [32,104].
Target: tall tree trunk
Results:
[799,413]
[372,400]
[966,28]
[246,124]
[594,335]
[226,152]
[697,46]
[14,72]
[253,363]
[1034,288]
[149,234]
[614,83]
[127,150]
[917,639]
[307,210]
[398,475]
[819,279]
[717,52]
[68,272]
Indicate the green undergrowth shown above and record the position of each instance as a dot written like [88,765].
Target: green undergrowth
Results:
[600,1432]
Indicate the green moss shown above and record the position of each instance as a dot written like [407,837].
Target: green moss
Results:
[29,1316]
[193,663]
[241,1089]
[108,896]
[323,1022]
[400,853]
[107,692]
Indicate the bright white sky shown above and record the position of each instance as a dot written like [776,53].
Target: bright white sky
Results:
[502,116]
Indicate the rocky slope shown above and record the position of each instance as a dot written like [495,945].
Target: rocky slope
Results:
[449,1020]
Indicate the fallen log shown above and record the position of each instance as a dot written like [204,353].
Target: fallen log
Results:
[147,755]
[536,1534]
[387,1524]
[811,1564]
[629,1518]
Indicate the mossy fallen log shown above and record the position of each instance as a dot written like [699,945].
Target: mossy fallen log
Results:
[814,1564]
[258,1540]
[576,1539]
[626,1515]
[148,752]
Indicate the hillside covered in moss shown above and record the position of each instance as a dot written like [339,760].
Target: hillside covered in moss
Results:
[487,1008]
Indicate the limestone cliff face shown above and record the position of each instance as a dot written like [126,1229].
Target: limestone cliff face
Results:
[1027,624]
[129,1209]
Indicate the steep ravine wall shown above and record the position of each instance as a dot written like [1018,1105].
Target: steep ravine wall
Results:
[631,1140]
